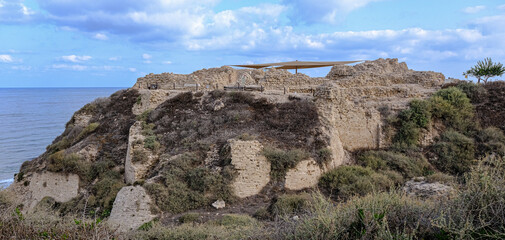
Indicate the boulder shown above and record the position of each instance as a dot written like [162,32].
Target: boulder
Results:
[131,209]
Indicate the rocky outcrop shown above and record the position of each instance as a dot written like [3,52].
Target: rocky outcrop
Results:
[32,189]
[419,187]
[149,99]
[253,169]
[305,175]
[131,209]
[138,158]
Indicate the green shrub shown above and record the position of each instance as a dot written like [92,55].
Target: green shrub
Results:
[189,218]
[87,130]
[455,153]
[143,117]
[68,163]
[324,155]
[388,215]
[346,181]
[139,156]
[188,186]
[106,189]
[147,129]
[281,161]
[62,144]
[453,107]
[476,92]
[411,120]
[407,136]
[152,143]
[235,220]
[478,211]
[381,161]
[490,140]
[176,197]
[290,204]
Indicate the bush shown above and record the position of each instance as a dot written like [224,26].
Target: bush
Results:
[453,107]
[478,212]
[411,120]
[290,204]
[106,189]
[189,218]
[324,155]
[490,140]
[346,181]
[87,130]
[189,186]
[144,115]
[281,161]
[455,153]
[152,143]
[234,220]
[381,161]
[68,163]
[139,156]
[476,92]
[375,216]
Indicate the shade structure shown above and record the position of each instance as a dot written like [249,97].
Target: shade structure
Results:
[296,64]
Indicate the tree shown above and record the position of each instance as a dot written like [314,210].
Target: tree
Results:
[485,69]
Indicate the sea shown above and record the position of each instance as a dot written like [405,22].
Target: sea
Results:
[31,118]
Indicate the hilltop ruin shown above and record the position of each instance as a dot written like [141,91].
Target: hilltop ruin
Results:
[170,124]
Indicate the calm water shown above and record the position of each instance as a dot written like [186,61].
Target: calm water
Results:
[30,119]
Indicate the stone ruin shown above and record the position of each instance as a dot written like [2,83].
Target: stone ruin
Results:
[353,103]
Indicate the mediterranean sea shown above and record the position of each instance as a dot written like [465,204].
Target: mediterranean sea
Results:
[31,118]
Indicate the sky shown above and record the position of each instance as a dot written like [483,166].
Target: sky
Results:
[110,43]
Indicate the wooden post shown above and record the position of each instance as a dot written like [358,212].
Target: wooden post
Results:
[174,86]
[196,86]
[284,90]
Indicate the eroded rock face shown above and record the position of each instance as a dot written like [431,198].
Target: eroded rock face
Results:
[136,167]
[305,175]
[32,189]
[131,209]
[149,99]
[252,167]
[420,188]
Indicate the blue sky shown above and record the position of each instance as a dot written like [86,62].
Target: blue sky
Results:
[82,43]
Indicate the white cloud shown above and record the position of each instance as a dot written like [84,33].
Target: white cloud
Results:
[100,36]
[75,58]
[132,69]
[21,68]
[501,7]
[327,11]
[70,67]
[114,58]
[474,9]
[146,56]
[14,11]
[6,58]
[167,62]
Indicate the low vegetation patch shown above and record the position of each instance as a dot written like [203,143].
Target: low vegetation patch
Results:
[408,166]
[69,163]
[187,185]
[347,181]
[290,204]
[455,153]
[281,161]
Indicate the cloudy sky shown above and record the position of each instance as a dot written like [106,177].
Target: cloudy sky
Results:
[83,43]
